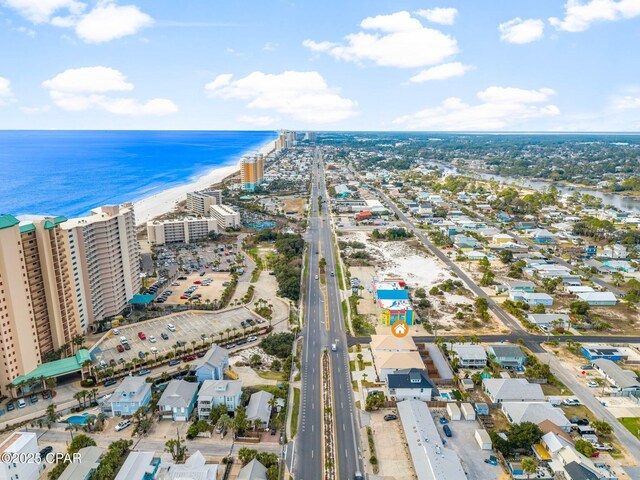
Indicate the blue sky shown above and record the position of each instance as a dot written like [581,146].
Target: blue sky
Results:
[332,65]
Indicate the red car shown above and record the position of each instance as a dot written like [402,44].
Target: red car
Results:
[197,282]
[189,358]
[184,297]
[120,348]
[142,336]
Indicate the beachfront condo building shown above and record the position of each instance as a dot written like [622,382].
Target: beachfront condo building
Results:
[225,216]
[183,230]
[106,253]
[199,203]
[39,312]
[252,172]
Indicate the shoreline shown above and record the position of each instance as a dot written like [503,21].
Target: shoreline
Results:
[149,208]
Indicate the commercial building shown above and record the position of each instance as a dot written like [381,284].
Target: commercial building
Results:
[225,216]
[431,459]
[199,203]
[39,310]
[393,302]
[183,230]
[106,260]
[251,172]
[19,443]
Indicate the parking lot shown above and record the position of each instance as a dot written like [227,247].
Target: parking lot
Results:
[208,292]
[464,444]
[189,326]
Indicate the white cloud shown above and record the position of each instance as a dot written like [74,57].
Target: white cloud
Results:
[35,110]
[257,120]
[521,31]
[443,16]
[626,103]
[40,11]
[579,15]
[500,108]
[105,22]
[304,96]
[6,95]
[441,72]
[86,88]
[108,21]
[270,46]
[395,40]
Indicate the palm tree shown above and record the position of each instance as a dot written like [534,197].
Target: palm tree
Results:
[78,396]
[224,423]
[529,466]
[193,345]
[257,423]
[94,393]
[228,330]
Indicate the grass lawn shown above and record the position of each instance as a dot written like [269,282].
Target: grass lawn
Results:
[295,412]
[270,375]
[352,365]
[354,384]
[632,424]
[551,389]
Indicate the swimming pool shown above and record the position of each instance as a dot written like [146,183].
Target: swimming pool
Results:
[79,419]
[445,395]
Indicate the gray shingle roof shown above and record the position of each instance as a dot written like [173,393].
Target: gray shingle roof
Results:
[179,393]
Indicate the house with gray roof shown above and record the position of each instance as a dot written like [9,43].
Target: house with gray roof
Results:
[82,470]
[259,408]
[253,470]
[549,320]
[625,380]
[512,390]
[178,400]
[131,394]
[469,355]
[507,356]
[213,365]
[217,392]
[536,412]
[410,383]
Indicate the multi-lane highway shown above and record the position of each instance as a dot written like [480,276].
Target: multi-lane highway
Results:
[323,326]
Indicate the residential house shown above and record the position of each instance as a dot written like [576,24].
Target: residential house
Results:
[614,251]
[542,236]
[512,390]
[507,356]
[259,408]
[391,354]
[213,365]
[624,380]
[594,351]
[465,243]
[139,466]
[516,286]
[194,468]
[620,265]
[178,400]
[598,298]
[216,392]
[535,412]
[15,446]
[568,464]
[131,394]
[408,384]
[89,461]
[502,238]
[469,355]
[253,470]
[532,299]
[392,300]
[549,320]
[550,444]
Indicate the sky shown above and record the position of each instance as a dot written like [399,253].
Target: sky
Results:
[467,65]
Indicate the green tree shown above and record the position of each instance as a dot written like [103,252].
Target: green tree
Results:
[141,422]
[79,442]
[240,421]
[247,454]
[579,307]
[601,427]
[224,423]
[52,414]
[217,412]
[421,293]
[374,401]
[529,466]
[523,435]
[487,279]
[506,256]
[176,448]
[276,365]
[585,448]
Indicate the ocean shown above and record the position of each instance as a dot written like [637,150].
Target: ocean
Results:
[70,172]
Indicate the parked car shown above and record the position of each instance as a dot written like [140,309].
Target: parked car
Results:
[120,348]
[201,354]
[252,338]
[443,420]
[593,384]
[46,394]
[447,430]
[10,407]
[141,355]
[241,342]
[171,327]
[390,417]
[579,421]
[572,402]
[123,424]
[33,398]
[259,320]
[230,345]
[116,332]
[144,371]
[111,381]
[189,358]
[127,346]
[142,336]
[152,339]
[226,284]
[173,362]
[586,367]
[164,336]
[154,350]
[181,343]
[21,403]
[45,451]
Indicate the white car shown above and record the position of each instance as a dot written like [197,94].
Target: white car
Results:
[171,327]
[252,339]
[152,339]
[593,384]
[317,277]
[122,425]
[154,350]
[116,331]
[572,402]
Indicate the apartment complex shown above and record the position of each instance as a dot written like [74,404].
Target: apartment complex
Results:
[199,203]
[225,216]
[252,172]
[106,253]
[20,446]
[184,230]
[39,312]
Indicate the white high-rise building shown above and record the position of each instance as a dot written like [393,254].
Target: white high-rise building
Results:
[226,217]
[183,230]
[199,203]
[106,259]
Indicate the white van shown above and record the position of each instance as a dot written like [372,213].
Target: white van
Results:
[123,340]
[21,403]
[123,424]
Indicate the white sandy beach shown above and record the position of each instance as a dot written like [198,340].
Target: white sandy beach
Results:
[150,207]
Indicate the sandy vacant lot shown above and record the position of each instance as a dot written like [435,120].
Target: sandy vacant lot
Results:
[393,456]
